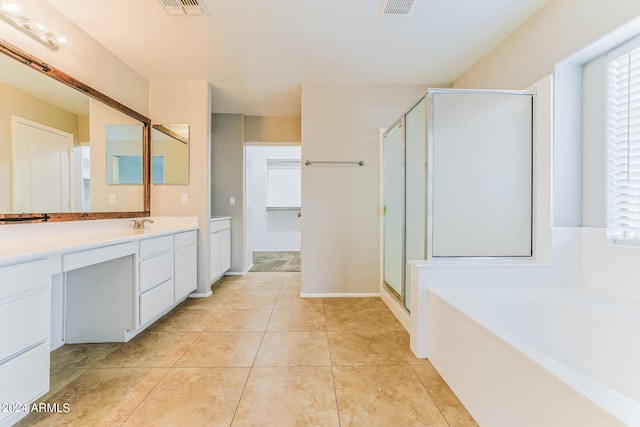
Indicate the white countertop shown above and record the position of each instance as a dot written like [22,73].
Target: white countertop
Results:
[219,218]
[20,242]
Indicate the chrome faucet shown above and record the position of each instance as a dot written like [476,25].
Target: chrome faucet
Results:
[138,224]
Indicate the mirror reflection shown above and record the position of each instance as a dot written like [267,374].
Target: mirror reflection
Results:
[124,153]
[170,154]
[53,142]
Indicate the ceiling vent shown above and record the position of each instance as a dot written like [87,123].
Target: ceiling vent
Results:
[396,7]
[184,7]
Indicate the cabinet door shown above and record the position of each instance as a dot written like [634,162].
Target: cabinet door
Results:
[186,262]
[215,256]
[225,250]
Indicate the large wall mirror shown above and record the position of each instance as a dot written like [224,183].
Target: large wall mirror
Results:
[58,142]
[170,154]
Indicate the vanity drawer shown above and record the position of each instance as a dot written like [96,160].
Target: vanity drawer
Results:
[185,239]
[155,271]
[24,322]
[155,246]
[28,375]
[220,225]
[25,277]
[155,301]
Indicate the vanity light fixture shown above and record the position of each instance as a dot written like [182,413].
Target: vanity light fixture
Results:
[12,15]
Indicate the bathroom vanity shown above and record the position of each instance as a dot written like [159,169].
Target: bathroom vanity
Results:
[83,282]
[220,241]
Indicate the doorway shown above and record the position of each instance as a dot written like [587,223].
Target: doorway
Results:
[273,206]
[41,168]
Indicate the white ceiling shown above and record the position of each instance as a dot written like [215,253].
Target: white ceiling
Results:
[257,53]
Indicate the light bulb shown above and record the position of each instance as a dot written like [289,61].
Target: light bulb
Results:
[12,8]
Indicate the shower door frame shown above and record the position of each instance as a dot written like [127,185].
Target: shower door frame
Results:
[401,124]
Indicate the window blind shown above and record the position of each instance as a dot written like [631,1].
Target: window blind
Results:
[624,146]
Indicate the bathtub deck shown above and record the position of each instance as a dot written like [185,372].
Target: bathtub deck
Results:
[489,345]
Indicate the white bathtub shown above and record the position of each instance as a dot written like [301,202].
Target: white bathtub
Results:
[538,356]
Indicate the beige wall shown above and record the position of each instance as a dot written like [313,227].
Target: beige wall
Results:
[187,103]
[15,102]
[556,31]
[341,204]
[276,130]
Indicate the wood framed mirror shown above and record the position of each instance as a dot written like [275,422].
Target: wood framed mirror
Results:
[53,146]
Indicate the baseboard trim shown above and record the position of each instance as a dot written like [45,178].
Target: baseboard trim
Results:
[276,250]
[238,273]
[200,294]
[340,295]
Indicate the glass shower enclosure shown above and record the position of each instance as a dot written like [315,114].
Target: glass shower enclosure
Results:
[404,192]
[458,181]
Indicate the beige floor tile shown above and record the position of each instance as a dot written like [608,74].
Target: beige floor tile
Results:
[383,396]
[59,378]
[265,277]
[390,321]
[291,278]
[454,412]
[354,320]
[216,301]
[378,304]
[297,320]
[365,348]
[227,287]
[214,368]
[300,396]
[294,349]
[348,303]
[290,288]
[252,301]
[192,397]
[150,350]
[240,320]
[402,340]
[222,349]
[99,397]
[183,320]
[265,287]
[291,301]
[80,355]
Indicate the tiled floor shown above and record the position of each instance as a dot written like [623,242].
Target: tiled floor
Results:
[255,353]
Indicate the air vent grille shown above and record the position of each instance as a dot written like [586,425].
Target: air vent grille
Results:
[184,7]
[396,7]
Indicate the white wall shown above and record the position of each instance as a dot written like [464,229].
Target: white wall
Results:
[341,204]
[187,103]
[270,230]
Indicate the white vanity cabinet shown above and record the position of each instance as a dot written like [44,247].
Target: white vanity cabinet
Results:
[156,277]
[109,283]
[168,273]
[220,240]
[185,259]
[25,295]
